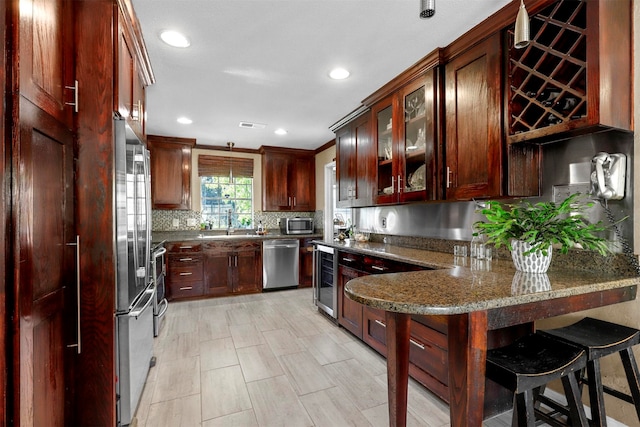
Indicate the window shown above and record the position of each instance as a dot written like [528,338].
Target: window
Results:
[226,201]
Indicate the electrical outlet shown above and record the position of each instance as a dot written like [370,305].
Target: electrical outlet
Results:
[176,222]
[561,192]
[191,222]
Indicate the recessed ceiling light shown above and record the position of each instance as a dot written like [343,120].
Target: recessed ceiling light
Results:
[280,131]
[339,74]
[175,39]
[184,120]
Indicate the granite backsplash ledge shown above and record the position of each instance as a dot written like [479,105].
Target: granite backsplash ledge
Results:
[575,259]
[163,220]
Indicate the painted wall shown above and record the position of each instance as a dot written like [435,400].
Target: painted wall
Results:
[322,158]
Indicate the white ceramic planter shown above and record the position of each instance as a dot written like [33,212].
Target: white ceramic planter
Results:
[531,263]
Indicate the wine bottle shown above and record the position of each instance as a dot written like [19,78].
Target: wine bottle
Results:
[548,96]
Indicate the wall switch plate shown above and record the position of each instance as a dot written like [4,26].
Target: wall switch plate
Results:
[176,222]
[191,222]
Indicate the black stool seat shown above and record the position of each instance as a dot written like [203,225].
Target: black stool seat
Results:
[530,363]
[600,338]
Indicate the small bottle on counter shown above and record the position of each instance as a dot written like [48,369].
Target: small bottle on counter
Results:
[477,245]
[260,227]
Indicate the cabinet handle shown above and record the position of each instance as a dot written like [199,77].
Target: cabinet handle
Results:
[74,88]
[348,260]
[380,323]
[294,201]
[186,259]
[186,247]
[289,201]
[399,183]
[229,259]
[393,183]
[186,274]
[376,267]
[236,258]
[78,332]
[449,176]
[416,343]
[186,288]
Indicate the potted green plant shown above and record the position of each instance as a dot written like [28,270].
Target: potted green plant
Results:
[530,231]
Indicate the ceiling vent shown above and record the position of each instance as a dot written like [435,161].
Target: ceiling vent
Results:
[249,125]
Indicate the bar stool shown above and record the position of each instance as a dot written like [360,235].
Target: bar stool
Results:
[600,338]
[528,364]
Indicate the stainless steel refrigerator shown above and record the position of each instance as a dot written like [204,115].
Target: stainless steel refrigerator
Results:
[135,291]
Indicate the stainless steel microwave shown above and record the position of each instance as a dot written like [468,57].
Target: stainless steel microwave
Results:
[296,225]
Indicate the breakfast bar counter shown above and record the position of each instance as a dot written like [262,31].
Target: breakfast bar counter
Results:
[483,297]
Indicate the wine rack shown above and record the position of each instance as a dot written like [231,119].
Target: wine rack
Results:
[547,90]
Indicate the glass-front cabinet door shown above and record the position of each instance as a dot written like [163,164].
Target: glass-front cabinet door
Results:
[414,143]
[386,149]
[406,138]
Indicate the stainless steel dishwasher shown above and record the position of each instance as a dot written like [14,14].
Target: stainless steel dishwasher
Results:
[280,260]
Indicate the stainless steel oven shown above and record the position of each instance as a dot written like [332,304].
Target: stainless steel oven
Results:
[325,267]
[159,271]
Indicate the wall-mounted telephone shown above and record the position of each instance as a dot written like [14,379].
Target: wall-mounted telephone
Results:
[608,174]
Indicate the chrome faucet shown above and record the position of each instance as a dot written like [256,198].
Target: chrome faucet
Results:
[229,222]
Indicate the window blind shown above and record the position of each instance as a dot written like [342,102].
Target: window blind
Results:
[221,166]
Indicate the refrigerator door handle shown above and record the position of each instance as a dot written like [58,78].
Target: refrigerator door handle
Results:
[149,294]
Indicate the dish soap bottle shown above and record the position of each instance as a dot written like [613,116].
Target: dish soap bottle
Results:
[260,228]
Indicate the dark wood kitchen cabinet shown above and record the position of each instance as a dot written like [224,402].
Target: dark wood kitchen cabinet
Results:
[305,272]
[184,270]
[428,355]
[575,75]
[474,149]
[170,171]
[406,140]
[288,179]
[232,268]
[130,99]
[38,296]
[355,171]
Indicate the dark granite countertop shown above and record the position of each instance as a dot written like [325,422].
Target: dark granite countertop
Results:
[461,285]
[207,235]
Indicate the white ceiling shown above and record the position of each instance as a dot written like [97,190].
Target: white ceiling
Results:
[266,61]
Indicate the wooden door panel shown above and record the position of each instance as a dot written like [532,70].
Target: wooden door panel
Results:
[47,215]
[45,270]
[48,374]
[473,132]
[247,271]
[305,184]
[216,273]
[276,171]
[46,60]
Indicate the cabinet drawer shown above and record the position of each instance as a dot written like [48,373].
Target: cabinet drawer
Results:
[185,289]
[374,329]
[350,260]
[185,268]
[426,354]
[180,247]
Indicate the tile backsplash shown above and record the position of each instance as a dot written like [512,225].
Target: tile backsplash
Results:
[174,220]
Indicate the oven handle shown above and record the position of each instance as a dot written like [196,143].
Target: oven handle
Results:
[162,307]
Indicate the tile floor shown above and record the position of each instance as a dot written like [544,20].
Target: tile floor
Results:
[270,360]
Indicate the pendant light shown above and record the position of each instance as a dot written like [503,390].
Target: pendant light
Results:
[521,37]
[230,145]
[427,8]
